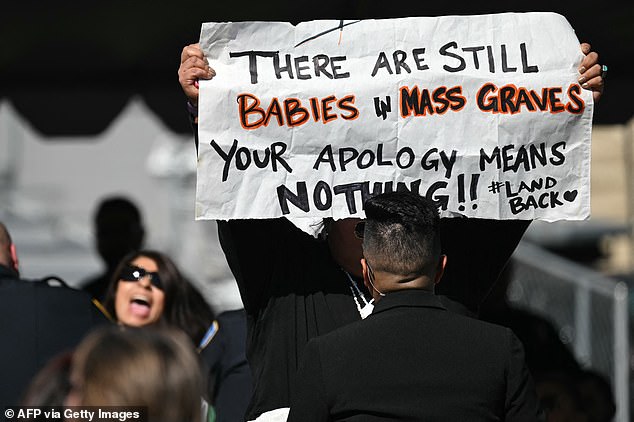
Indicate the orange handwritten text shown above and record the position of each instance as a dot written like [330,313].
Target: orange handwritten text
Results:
[511,99]
[293,112]
[423,102]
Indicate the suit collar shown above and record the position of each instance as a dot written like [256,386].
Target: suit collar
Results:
[408,298]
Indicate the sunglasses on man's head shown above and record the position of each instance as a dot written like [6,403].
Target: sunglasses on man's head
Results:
[133,273]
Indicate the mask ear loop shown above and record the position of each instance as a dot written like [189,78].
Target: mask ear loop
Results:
[371,279]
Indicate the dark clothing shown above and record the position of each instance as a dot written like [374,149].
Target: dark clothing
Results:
[545,352]
[477,251]
[414,360]
[97,286]
[293,290]
[230,382]
[37,322]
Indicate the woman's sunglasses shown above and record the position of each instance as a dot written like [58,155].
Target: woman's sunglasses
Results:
[133,273]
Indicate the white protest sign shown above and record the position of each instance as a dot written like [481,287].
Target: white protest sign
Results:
[483,114]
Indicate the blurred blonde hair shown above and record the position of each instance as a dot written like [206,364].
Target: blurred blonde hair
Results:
[152,368]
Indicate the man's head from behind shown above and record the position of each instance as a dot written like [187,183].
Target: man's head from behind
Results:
[401,243]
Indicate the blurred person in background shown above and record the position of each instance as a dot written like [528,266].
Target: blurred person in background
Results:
[545,351]
[38,320]
[51,384]
[149,290]
[558,398]
[119,230]
[154,369]
[596,395]
[229,381]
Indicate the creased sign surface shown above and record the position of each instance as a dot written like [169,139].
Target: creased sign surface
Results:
[481,113]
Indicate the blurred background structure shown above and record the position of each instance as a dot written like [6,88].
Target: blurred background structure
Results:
[90,106]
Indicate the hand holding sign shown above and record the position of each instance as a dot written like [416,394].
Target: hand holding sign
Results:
[192,68]
[591,72]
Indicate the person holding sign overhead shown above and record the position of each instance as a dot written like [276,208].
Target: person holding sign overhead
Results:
[296,287]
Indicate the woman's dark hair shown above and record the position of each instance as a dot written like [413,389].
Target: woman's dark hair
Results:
[184,308]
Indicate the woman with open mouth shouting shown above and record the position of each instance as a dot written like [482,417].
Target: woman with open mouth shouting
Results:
[148,289]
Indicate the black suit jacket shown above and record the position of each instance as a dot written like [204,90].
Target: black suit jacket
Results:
[230,383]
[38,322]
[414,360]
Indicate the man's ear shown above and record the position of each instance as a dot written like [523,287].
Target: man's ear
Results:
[366,274]
[440,269]
[14,256]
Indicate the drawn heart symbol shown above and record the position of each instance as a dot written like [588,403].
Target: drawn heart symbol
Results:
[570,195]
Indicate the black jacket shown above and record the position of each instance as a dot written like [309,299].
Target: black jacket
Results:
[414,360]
[37,322]
[292,291]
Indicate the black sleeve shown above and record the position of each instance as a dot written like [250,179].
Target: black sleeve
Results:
[230,384]
[195,130]
[477,251]
[521,402]
[254,250]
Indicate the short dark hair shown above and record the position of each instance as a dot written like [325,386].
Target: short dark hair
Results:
[119,229]
[119,210]
[401,234]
